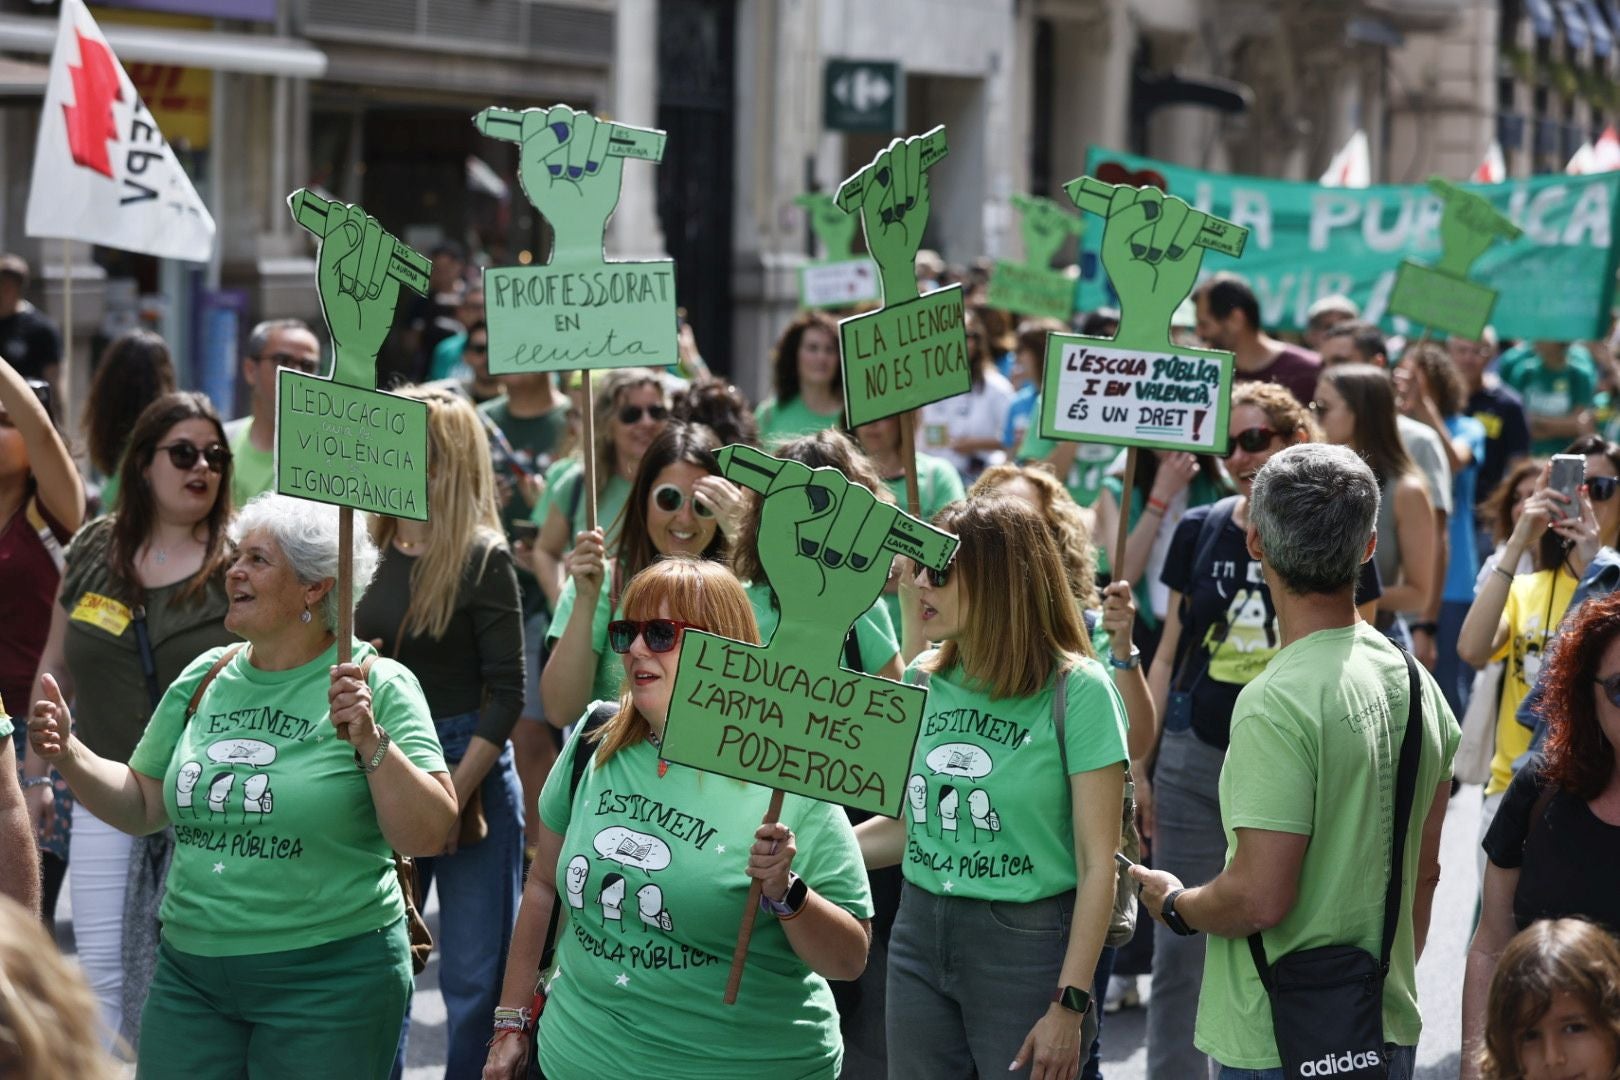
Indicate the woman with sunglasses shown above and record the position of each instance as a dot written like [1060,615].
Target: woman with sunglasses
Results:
[1355,406]
[629,412]
[1008,855]
[966,430]
[445,603]
[1554,846]
[654,861]
[1220,631]
[1514,616]
[680,505]
[142,594]
[806,379]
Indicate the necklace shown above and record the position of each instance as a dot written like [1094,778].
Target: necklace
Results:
[159,555]
[658,744]
[408,545]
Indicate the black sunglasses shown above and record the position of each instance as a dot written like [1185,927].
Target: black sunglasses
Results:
[183,455]
[670,499]
[631,414]
[296,363]
[1611,688]
[1601,488]
[480,348]
[659,634]
[938,578]
[1252,440]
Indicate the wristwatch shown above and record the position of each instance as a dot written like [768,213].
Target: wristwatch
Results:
[792,902]
[1174,921]
[1073,998]
[377,758]
[1132,661]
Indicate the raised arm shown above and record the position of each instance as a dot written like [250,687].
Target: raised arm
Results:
[129,801]
[59,488]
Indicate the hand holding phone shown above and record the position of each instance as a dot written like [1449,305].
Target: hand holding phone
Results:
[1567,476]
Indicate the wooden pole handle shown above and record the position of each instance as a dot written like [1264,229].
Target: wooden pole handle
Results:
[745,932]
[908,460]
[588,451]
[1116,569]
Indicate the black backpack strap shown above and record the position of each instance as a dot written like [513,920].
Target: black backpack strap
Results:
[1405,796]
[1209,534]
[577,764]
[1060,709]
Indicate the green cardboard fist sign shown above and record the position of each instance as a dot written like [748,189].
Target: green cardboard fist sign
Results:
[578,310]
[840,278]
[1441,296]
[914,350]
[787,714]
[1140,388]
[341,441]
[1033,287]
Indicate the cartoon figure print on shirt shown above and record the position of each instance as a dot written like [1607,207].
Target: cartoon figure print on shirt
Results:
[579,870]
[257,798]
[612,899]
[917,799]
[983,818]
[959,761]
[185,788]
[1240,647]
[650,903]
[632,851]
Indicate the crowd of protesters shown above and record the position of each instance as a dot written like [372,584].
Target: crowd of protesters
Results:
[1257,699]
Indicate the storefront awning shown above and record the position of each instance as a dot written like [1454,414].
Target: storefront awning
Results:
[247,54]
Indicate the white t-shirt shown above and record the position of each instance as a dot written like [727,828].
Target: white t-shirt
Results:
[981,413]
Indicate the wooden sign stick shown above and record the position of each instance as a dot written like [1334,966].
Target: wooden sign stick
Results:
[588,448]
[745,932]
[908,460]
[345,585]
[1123,531]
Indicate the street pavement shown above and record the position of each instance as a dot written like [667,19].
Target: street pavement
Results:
[1440,976]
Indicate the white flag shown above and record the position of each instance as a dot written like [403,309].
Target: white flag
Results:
[103,173]
[1351,167]
[1606,151]
[1583,162]
[1493,168]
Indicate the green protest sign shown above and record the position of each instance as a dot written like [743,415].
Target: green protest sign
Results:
[788,714]
[1441,296]
[1554,282]
[1032,287]
[340,440]
[578,310]
[913,350]
[840,278]
[1140,388]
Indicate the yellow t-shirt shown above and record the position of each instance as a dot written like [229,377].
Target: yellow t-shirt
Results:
[1535,607]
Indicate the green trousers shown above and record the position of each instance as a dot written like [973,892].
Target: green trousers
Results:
[328,1012]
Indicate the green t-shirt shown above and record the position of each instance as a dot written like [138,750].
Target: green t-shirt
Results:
[563,492]
[987,805]
[781,422]
[277,845]
[652,870]
[1552,394]
[874,631]
[609,679]
[109,491]
[938,485]
[1091,462]
[533,439]
[1315,743]
[253,471]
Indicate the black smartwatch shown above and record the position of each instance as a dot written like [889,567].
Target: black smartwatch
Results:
[792,902]
[1174,921]
[1073,998]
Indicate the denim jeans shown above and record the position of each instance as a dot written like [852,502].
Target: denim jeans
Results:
[968,979]
[1402,1060]
[478,891]
[1188,842]
[1456,678]
[1091,1066]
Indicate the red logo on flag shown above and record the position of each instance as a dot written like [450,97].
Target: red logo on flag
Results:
[90,123]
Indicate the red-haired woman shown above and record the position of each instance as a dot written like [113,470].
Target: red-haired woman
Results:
[1554,846]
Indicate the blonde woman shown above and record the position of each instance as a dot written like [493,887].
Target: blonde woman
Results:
[446,604]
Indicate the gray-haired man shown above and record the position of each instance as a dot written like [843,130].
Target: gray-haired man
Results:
[1310,774]
[272,345]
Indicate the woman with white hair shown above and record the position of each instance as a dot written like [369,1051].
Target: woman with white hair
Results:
[284,945]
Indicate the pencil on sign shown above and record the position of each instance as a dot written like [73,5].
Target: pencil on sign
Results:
[405,265]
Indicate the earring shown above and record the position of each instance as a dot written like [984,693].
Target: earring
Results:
[304,618]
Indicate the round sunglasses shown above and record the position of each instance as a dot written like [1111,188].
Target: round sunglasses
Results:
[661,635]
[670,499]
[1252,440]
[631,414]
[183,455]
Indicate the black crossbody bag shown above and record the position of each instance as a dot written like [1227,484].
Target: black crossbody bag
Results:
[1327,1003]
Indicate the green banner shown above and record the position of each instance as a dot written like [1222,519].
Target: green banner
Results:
[1553,282]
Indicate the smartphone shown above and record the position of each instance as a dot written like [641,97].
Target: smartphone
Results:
[1568,474]
[1119,857]
[525,532]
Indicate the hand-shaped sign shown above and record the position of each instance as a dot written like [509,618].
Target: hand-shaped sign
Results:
[578,310]
[787,714]
[341,441]
[840,279]
[1140,388]
[914,350]
[1441,296]
[1033,287]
